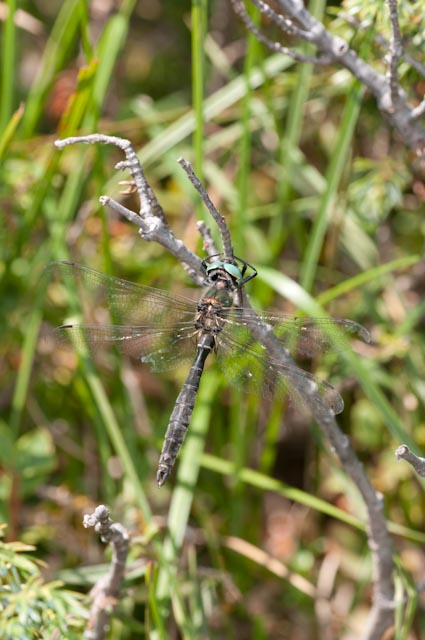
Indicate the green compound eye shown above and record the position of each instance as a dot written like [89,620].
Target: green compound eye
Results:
[237,272]
[231,269]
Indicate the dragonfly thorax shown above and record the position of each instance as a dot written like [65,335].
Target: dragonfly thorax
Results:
[208,318]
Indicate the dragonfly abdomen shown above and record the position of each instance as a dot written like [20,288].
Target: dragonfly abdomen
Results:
[183,409]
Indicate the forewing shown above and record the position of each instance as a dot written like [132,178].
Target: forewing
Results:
[127,302]
[152,325]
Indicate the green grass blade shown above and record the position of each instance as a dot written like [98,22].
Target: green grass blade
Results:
[27,363]
[198,22]
[108,50]
[214,105]
[264,482]
[291,135]
[337,165]
[188,469]
[8,66]
[244,156]
[81,100]
[72,15]
[8,132]
[116,436]
[361,279]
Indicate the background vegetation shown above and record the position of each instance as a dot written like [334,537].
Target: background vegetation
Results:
[280,146]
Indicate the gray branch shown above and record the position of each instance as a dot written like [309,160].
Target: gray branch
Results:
[390,97]
[207,239]
[285,25]
[381,41]
[150,219]
[395,53]
[418,463]
[216,216]
[419,111]
[105,593]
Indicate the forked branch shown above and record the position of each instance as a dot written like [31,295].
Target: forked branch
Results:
[295,20]
[104,594]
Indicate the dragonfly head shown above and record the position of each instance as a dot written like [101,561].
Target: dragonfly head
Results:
[218,268]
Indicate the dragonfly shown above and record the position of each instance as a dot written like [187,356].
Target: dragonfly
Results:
[164,330]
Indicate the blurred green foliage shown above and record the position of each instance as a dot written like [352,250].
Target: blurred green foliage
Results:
[315,189]
[30,607]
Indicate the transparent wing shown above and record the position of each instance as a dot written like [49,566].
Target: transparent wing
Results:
[161,348]
[128,303]
[153,325]
[248,366]
[301,336]
[160,330]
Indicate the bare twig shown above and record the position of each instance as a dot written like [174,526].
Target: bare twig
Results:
[381,41]
[285,25]
[394,54]
[419,111]
[151,219]
[418,463]
[207,239]
[105,593]
[391,99]
[216,216]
